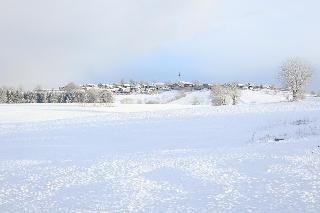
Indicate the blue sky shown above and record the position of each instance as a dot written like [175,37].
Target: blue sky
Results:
[54,42]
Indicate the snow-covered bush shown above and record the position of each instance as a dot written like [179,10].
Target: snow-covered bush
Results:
[233,92]
[219,95]
[106,97]
[225,94]
[92,96]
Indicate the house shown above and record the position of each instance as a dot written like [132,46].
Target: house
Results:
[161,86]
[105,86]
[265,87]
[185,84]
[88,86]
[206,86]
[125,88]
[242,86]
[137,88]
[199,86]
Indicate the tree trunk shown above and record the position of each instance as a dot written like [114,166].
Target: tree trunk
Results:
[234,100]
[294,95]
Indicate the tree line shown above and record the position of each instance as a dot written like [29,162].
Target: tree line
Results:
[14,96]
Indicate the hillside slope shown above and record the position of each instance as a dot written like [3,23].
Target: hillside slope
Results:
[201,97]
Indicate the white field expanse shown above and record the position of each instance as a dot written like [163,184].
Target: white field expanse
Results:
[173,157]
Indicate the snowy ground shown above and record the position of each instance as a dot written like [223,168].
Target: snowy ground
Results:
[161,158]
[201,97]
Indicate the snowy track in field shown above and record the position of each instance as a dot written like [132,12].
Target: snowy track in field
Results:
[160,158]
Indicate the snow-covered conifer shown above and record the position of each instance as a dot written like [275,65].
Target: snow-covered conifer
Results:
[3,95]
[30,97]
[40,97]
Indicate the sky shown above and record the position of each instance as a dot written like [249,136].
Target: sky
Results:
[51,43]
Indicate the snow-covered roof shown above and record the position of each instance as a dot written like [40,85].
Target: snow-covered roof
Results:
[184,82]
[159,84]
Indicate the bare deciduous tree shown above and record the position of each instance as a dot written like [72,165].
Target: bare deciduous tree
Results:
[71,87]
[295,74]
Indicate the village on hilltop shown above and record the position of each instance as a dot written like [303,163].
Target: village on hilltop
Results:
[124,88]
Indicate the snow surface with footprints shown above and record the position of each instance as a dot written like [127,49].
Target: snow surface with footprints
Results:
[160,158]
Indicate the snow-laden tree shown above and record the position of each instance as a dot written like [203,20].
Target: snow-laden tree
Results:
[79,96]
[53,97]
[233,92]
[14,96]
[219,95]
[73,94]
[68,97]
[19,96]
[30,97]
[3,95]
[225,94]
[92,96]
[41,97]
[9,93]
[295,74]
[106,97]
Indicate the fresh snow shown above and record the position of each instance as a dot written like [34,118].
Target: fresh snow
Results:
[173,157]
[263,96]
[201,97]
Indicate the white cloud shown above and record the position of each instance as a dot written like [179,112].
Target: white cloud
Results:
[53,42]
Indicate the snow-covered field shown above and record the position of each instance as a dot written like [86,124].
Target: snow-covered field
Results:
[200,97]
[173,157]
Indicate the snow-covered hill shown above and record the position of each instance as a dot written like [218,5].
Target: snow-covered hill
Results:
[161,157]
[201,97]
